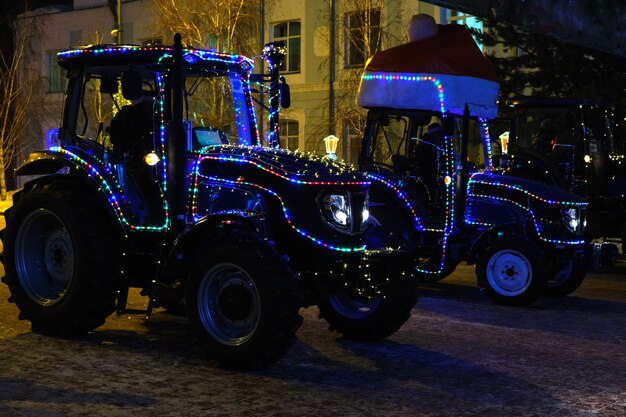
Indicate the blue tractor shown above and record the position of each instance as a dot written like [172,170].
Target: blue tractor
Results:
[584,155]
[427,151]
[157,180]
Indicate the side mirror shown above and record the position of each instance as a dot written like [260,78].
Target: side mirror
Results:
[285,93]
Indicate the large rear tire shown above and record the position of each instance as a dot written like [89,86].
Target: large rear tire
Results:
[242,302]
[512,271]
[60,259]
[370,318]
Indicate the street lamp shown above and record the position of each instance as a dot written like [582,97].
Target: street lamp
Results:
[116,10]
[330,143]
[504,141]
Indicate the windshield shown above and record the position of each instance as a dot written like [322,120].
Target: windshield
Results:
[530,123]
[113,112]
[569,126]
[392,138]
[409,135]
[215,108]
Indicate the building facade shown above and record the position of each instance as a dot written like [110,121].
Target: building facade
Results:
[328,44]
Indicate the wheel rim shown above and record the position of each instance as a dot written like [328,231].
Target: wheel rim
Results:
[562,275]
[229,305]
[44,257]
[509,272]
[354,307]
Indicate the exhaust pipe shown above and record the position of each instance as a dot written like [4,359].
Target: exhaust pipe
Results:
[177,144]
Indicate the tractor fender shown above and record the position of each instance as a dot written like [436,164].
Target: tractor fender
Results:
[183,250]
[48,165]
[481,243]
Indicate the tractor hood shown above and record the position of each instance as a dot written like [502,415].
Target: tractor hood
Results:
[279,165]
[513,188]
[324,202]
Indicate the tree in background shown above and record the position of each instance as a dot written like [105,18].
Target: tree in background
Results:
[539,64]
[226,25]
[230,26]
[363,27]
[17,85]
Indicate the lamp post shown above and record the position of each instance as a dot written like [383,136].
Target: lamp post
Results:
[504,142]
[330,143]
[116,9]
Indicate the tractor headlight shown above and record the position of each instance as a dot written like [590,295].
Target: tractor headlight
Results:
[572,219]
[336,208]
[365,213]
[344,211]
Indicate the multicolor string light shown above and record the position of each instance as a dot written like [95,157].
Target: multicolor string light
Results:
[412,78]
[487,143]
[448,227]
[190,55]
[284,208]
[531,214]
[109,186]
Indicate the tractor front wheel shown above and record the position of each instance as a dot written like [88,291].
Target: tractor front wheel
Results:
[568,277]
[512,271]
[242,302]
[370,318]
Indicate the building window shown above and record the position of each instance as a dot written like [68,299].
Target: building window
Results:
[289,133]
[54,75]
[289,34]
[352,143]
[362,36]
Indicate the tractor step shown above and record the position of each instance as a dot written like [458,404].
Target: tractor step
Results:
[122,302]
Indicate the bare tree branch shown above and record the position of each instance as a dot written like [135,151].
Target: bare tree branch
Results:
[17,86]
[363,28]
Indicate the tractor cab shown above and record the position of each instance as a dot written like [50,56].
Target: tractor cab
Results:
[584,155]
[427,150]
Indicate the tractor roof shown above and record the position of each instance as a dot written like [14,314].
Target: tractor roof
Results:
[112,55]
[443,72]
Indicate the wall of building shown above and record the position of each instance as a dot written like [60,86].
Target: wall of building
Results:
[310,88]
[91,21]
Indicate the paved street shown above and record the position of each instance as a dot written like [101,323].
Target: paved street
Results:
[458,355]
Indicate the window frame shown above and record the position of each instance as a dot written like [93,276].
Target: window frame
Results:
[286,40]
[348,38]
[55,78]
[459,18]
[286,135]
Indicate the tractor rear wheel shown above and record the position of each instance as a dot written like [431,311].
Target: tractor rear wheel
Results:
[60,259]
